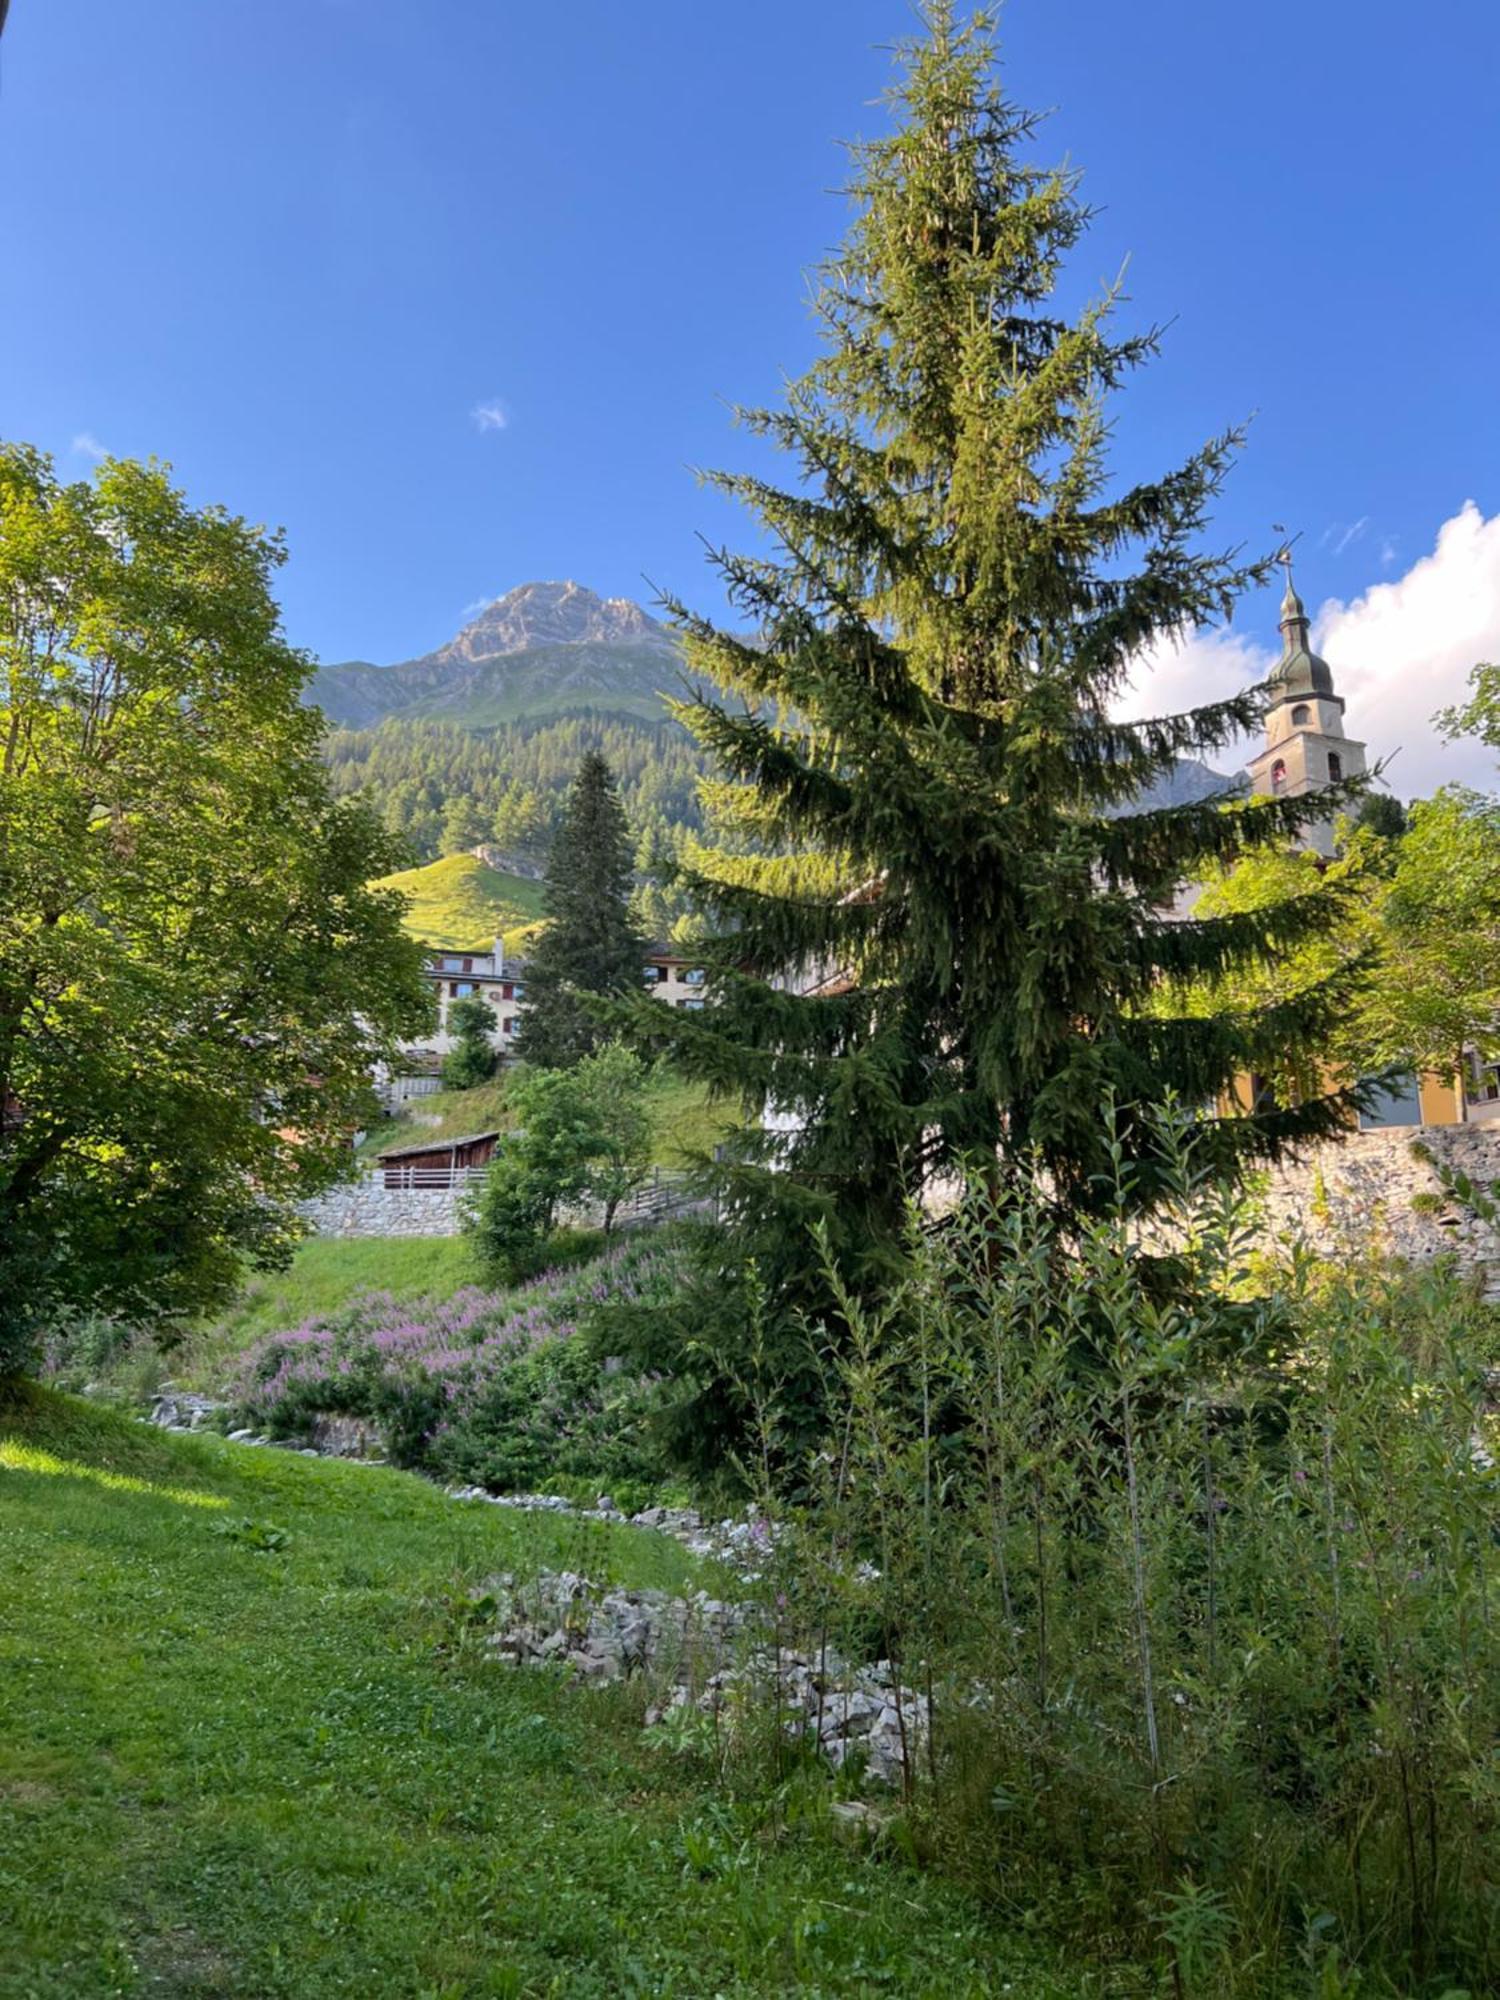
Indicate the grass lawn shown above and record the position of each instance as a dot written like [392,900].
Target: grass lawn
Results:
[461,903]
[233,1770]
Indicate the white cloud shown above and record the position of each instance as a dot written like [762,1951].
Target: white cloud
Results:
[88,446]
[473,610]
[1399,652]
[1351,534]
[490,416]
[1403,650]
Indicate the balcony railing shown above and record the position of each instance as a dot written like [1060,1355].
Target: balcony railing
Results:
[404,1179]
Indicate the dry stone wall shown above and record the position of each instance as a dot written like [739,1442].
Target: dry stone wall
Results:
[1368,1191]
[369,1208]
[1373,1191]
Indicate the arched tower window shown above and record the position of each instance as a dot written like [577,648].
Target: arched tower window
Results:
[1278,774]
[1335,767]
[1302,713]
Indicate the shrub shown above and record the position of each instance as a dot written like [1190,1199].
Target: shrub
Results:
[584,1136]
[1202,1592]
[472,1059]
[492,1388]
[79,1346]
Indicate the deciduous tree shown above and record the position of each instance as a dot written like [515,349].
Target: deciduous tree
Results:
[195,979]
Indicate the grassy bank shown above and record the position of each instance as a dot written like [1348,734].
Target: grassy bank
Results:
[234,1764]
[324,1275]
[461,904]
[683,1121]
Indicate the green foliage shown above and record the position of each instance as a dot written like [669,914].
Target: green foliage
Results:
[324,1274]
[1479,716]
[464,826]
[518,775]
[1209,1644]
[1418,917]
[583,1134]
[471,1061]
[590,945]
[195,977]
[499,1388]
[1382,813]
[940,923]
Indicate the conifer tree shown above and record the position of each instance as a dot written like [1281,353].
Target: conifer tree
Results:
[590,945]
[940,955]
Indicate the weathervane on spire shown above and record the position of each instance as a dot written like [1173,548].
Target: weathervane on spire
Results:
[1292,609]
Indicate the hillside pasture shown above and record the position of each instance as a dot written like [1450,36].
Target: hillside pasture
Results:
[250,1744]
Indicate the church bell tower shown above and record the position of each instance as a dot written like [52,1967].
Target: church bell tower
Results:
[1306,748]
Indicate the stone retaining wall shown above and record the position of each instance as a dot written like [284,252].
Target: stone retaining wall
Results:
[1339,1197]
[367,1208]
[1370,1191]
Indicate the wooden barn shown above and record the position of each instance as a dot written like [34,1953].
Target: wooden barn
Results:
[437,1163]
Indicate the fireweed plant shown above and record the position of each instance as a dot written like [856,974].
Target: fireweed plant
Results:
[493,1387]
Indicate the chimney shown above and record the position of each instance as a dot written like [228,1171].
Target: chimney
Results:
[499,956]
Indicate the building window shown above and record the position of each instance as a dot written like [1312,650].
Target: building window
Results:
[1484,1081]
[1335,767]
[693,1006]
[655,975]
[1301,713]
[1278,775]
[508,1025]
[461,988]
[695,977]
[518,992]
[1394,1104]
[453,965]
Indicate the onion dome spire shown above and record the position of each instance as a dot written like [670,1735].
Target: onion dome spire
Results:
[1299,671]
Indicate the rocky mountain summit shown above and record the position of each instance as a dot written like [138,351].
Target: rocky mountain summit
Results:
[554,614]
[543,649]
[546,651]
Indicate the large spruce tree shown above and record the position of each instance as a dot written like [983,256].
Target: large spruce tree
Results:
[590,945]
[940,958]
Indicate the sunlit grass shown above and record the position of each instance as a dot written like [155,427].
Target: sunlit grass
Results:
[18,1457]
[461,903]
[279,1763]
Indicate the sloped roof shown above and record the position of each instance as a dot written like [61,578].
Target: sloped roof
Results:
[436,1145]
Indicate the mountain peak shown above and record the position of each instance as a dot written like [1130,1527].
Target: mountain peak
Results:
[553,614]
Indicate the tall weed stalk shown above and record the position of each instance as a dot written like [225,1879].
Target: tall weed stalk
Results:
[1197,1579]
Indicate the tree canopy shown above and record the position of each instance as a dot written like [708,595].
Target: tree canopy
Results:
[941,956]
[590,945]
[194,977]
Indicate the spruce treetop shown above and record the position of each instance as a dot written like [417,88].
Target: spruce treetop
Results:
[922,750]
[590,945]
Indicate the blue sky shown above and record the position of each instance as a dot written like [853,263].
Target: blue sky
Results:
[293,246]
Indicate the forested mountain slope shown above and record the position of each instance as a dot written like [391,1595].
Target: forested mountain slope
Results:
[476,742]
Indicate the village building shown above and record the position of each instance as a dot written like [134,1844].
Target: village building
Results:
[668,973]
[1306,748]
[437,1163]
[674,977]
